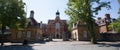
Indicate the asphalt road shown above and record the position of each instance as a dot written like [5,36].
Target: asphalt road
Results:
[58,44]
[62,47]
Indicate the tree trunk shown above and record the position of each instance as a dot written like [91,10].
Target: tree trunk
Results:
[2,38]
[93,40]
[92,33]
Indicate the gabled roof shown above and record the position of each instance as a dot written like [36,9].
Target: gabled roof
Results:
[63,21]
[57,18]
[32,22]
[50,21]
[44,26]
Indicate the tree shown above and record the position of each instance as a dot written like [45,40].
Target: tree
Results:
[83,10]
[12,15]
[116,25]
[119,1]
[119,8]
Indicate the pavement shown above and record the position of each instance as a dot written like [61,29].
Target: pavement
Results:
[50,43]
[59,44]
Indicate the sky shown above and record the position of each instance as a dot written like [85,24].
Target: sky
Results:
[46,9]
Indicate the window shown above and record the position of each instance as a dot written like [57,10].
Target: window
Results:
[85,34]
[28,34]
[38,35]
[74,25]
[57,26]
[19,34]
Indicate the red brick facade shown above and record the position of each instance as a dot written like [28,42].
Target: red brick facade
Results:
[80,30]
[103,23]
[32,32]
[36,31]
[57,27]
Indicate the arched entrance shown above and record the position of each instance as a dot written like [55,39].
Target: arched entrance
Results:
[57,29]
[58,36]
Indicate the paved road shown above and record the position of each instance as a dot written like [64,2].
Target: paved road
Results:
[63,45]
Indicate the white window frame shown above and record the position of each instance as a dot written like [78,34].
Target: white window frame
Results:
[28,35]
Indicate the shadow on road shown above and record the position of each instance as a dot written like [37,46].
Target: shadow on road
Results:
[108,45]
[41,42]
[16,47]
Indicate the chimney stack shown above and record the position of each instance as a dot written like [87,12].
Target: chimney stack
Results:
[32,14]
[107,16]
[41,24]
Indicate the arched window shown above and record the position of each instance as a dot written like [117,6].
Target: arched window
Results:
[57,26]
[19,34]
[28,34]
[85,34]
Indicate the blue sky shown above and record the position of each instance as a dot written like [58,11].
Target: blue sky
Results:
[46,9]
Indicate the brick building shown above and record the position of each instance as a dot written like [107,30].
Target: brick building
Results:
[36,31]
[56,27]
[32,32]
[80,31]
[103,23]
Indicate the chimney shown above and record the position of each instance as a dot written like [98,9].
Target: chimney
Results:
[99,18]
[107,16]
[41,24]
[32,14]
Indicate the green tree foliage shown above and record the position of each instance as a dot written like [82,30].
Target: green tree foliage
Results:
[116,25]
[12,14]
[82,11]
[119,8]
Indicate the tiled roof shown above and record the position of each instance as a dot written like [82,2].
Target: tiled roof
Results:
[32,22]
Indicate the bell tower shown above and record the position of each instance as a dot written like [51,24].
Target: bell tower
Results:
[57,14]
